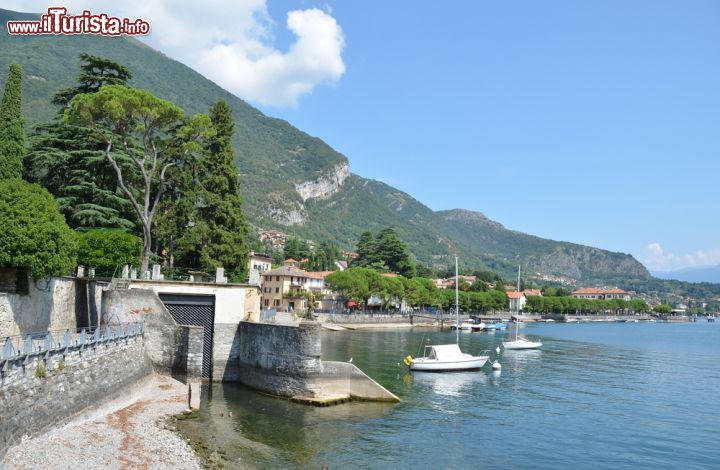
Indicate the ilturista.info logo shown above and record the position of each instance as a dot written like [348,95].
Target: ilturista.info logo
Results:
[57,21]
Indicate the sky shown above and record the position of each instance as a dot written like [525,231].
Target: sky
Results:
[595,122]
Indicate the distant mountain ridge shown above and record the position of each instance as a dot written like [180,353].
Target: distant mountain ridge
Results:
[297,183]
[703,274]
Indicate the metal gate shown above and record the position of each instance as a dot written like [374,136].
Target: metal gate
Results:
[197,310]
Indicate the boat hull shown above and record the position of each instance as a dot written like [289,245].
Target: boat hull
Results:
[521,344]
[435,365]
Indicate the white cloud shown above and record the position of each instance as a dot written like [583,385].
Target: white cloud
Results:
[231,42]
[657,259]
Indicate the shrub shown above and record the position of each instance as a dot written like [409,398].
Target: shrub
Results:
[34,235]
[108,248]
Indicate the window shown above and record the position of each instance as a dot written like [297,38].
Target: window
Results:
[277,302]
[277,290]
[277,278]
[267,302]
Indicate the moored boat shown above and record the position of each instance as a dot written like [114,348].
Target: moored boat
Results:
[446,357]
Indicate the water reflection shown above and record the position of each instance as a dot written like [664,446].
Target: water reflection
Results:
[450,384]
[611,393]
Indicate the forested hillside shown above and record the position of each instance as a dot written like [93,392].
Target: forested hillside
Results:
[296,182]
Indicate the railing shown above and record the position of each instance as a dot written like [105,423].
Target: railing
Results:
[18,347]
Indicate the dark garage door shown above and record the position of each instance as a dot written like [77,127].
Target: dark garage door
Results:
[198,310]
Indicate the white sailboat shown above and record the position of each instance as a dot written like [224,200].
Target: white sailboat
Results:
[520,342]
[447,357]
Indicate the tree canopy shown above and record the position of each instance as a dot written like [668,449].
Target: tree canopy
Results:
[34,235]
[69,160]
[385,251]
[108,249]
[122,115]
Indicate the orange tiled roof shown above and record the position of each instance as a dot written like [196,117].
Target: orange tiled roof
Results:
[594,291]
[514,294]
[318,274]
[528,292]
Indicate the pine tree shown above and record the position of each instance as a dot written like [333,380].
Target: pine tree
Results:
[69,160]
[394,253]
[366,250]
[95,72]
[12,127]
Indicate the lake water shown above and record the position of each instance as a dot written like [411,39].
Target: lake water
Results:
[597,395]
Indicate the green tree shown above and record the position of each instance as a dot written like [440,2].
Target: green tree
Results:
[95,73]
[34,236]
[366,250]
[121,115]
[662,309]
[69,160]
[12,126]
[394,252]
[291,249]
[219,234]
[107,249]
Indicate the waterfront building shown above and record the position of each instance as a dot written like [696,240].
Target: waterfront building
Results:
[515,299]
[600,294]
[282,289]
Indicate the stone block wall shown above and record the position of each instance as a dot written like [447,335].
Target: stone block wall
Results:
[226,352]
[56,386]
[51,304]
[173,349]
[278,359]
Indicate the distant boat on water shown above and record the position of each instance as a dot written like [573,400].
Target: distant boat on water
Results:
[520,342]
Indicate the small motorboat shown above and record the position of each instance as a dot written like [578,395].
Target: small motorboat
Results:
[478,326]
[446,357]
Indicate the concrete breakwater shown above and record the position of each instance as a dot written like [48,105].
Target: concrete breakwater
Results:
[284,360]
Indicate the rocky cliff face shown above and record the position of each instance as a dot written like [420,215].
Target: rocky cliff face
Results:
[326,185]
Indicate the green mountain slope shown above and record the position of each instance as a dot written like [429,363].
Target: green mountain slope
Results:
[296,182]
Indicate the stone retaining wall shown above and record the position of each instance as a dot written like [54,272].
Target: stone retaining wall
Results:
[173,349]
[278,359]
[56,303]
[284,360]
[57,385]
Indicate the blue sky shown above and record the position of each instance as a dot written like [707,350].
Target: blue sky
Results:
[594,121]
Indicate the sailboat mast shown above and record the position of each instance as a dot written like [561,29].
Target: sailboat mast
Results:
[517,307]
[457,303]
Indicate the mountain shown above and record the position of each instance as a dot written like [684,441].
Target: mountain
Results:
[297,183]
[704,274]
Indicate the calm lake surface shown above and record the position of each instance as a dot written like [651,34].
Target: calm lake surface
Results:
[598,395]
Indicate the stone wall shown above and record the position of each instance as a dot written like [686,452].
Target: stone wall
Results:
[233,304]
[173,349]
[73,380]
[57,303]
[226,352]
[279,359]
[363,318]
[284,360]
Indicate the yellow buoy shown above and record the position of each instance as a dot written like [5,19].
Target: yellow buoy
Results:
[408,360]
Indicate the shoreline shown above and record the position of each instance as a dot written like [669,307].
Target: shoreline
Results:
[130,432]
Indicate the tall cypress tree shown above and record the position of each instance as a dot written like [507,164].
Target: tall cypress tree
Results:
[12,127]
[218,235]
